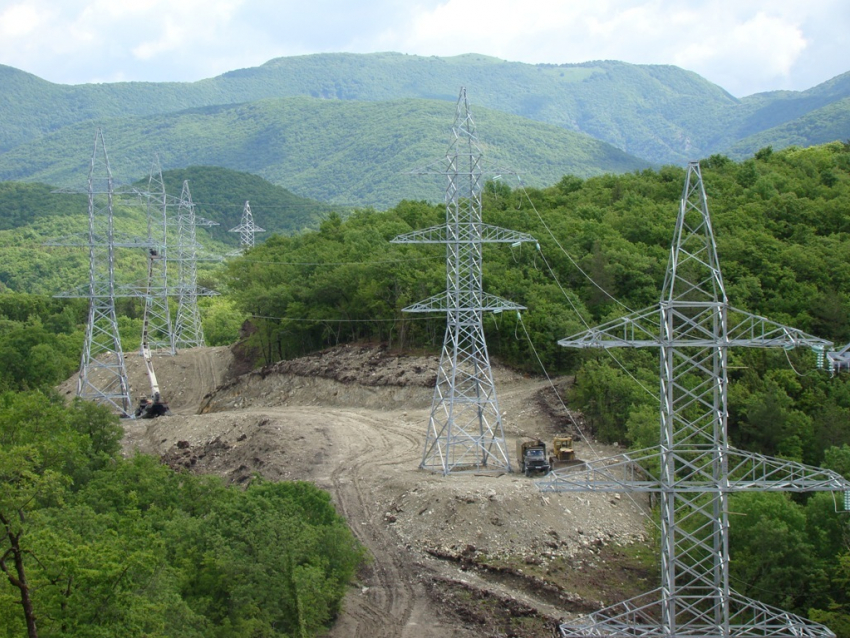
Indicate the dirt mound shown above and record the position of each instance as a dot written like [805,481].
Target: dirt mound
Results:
[185,379]
[446,550]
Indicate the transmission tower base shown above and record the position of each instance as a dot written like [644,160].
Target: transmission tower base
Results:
[641,617]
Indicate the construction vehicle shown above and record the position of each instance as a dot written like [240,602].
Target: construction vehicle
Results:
[562,452]
[531,456]
[153,406]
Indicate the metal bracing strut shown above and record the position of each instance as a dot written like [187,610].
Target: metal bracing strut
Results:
[246,229]
[694,470]
[465,427]
[103,372]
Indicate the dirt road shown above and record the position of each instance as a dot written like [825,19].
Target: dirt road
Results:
[451,556]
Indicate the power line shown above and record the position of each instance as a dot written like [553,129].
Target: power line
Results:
[340,320]
[337,263]
[564,250]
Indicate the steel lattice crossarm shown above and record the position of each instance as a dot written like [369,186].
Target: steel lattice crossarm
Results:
[641,329]
[465,300]
[463,233]
[102,290]
[475,160]
[695,472]
[200,291]
[638,617]
[170,201]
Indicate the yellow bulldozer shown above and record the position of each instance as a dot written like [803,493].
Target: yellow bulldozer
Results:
[562,452]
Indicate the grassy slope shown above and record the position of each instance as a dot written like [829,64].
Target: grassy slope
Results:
[345,152]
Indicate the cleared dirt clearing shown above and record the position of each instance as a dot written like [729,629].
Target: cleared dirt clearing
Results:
[464,555]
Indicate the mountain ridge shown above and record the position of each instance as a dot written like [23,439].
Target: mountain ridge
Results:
[659,113]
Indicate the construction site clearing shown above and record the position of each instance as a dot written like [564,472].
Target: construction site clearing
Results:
[467,554]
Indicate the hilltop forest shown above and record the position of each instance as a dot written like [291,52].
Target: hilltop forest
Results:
[782,223]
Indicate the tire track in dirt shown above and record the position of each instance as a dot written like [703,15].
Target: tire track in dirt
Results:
[393,603]
[363,443]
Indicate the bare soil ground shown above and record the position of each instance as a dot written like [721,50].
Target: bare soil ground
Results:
[458,556]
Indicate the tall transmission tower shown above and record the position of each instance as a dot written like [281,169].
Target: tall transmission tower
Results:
[465,426]
[694,470]
[188,331]
[103,373]
[159,335]
[246,229]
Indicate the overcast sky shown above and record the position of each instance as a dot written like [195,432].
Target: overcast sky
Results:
[745,46]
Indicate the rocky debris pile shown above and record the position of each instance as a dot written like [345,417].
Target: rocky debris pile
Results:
[241,447]
[492,613]
[369,365]
[366,376]
[550,401]
[507,518]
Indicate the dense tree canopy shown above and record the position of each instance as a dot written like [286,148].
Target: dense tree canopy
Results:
[782,223]
[94,545]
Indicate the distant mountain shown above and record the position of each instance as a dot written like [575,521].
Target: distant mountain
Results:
[349,153]
[662,114]
[825,124]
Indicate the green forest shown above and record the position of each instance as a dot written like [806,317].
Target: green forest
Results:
[83,554]
[782,223]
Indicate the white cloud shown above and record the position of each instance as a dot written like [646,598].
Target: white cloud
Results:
[744,46]
[19,20]
[170,38]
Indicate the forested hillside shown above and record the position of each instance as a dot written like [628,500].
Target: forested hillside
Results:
[34,215]
[220,195]
[662,114]
[349,153]
[819,126]
[782,223]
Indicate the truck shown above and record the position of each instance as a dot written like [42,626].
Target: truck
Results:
[531,456]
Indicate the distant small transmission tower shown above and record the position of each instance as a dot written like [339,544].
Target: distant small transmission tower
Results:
[188,331]
[246,229]
[694,326]
[159,335]
[465,427]
[103,373]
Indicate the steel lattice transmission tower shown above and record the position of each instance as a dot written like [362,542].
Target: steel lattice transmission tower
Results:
[188,331]
[694,470]
[160,333]
[246,229]
[465,427]
[103,373]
